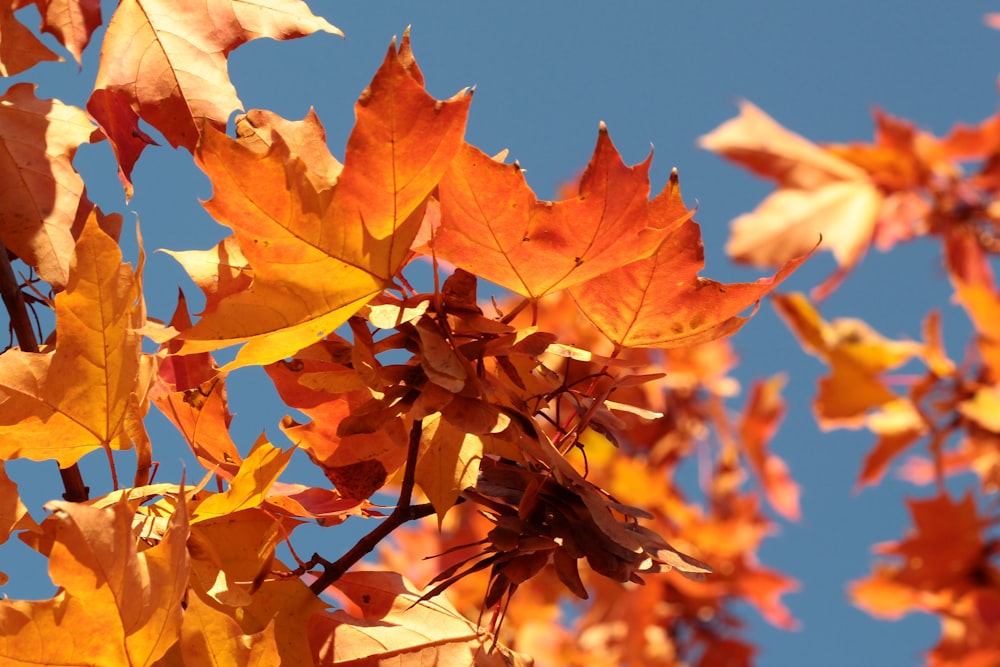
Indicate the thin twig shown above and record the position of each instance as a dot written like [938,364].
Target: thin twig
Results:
[400,515]
[13,300]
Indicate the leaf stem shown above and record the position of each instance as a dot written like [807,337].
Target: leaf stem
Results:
[400,515]
[13,301]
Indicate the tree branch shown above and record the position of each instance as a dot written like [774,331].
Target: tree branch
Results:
[10,290]
[400,515]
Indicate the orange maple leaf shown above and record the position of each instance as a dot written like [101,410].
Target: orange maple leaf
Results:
[493,226]
[661,301]
[62,404]
[765,410]
[820,194]
[211,637]
[165,60]
[72,22]
[356,234]
[357,463]
[44,205]
[937,564]
[124,607]
[858,356]
[21,49]
[305,139]
[189,392]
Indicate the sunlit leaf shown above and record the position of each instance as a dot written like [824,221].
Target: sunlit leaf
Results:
[359,231]
[493,226]
[62,404]
[166,60]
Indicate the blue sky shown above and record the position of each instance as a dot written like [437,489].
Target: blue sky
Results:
[660,74]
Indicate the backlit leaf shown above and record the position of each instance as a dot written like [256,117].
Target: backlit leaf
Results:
[72,22]
[493,226]
[358,233]
[167,61]
[448,462]
[62,404]
[857,355]
[124,606]
[661,301]
[44,205]
[21,49]
[821,194]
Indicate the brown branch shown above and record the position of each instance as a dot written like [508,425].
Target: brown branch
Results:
[400,515]
[13,300]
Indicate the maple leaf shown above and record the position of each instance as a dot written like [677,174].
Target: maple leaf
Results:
[124,606]
[248,489]
[62,404]
[72,22]
[357,463]
[21,49]
[219,272]
[358,232]
[661,301]
[944,546]
[492,225]
[938,567]
[396,627]
[765,410]
[190,393]
[44,205]
[820,194]
[448,462]
[857,355]
[212,638]
[305,139]
[166,61]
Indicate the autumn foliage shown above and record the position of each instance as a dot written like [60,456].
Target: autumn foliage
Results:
[510,458]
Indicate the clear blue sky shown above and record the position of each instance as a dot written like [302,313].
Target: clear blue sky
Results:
[660,73]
